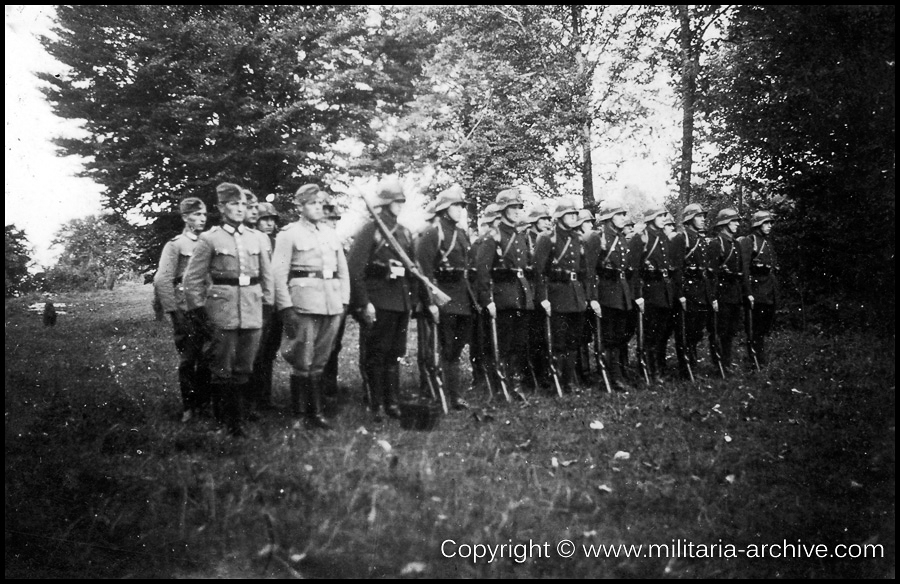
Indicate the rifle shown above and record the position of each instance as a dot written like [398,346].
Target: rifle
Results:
[598,352]
[436,372]
[750,350]
[367,386]
[642,364]
[714,345]
[684,344]
[435,294]
[497,364]
[553,370]
[424,332]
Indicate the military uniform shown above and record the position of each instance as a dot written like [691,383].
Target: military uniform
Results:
[443,254]
[560,279]
[226,282]
[312,287]
[270,340]
[500,279]
[762,263]
[378,277]
[691,254]
[480,351]
[731,282]
[656,287]
[611,271]
[193,369]
[538,352]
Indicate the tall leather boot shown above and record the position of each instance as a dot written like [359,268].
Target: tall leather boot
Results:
[249,396]
[391,381]
[231,409]
[265,398]
[726,343]
[614,369]
[315,414]
[376,375]
[188,393]
[299,398]
[681,353]
[570,375]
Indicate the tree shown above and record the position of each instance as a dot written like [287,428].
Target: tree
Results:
[177,98]
[94,253]
[18,259]
[519,95]
[800,100]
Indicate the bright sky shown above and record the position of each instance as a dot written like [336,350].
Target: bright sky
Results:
[41,190]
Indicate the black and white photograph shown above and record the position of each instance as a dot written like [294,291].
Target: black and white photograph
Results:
[450,291]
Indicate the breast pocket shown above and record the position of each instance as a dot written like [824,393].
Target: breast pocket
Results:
[225,261]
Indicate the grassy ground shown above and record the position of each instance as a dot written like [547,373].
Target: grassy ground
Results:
[102,480]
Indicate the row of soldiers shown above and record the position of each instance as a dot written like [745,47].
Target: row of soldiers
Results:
[233,292]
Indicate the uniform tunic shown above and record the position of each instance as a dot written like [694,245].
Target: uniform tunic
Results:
[691,251]
[559,278]
[611,270]
[732,284]
[193,369]
[762,265]
[312,278]
[500,264]
[230,275]
[655,286]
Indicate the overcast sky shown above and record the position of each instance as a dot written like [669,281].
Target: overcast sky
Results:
[41,190]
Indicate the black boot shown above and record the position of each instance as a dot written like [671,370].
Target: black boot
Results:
[375,375]
[614,369]
[299,394]
[315,414]
[392,390]
[188,393]
[231,409]
[249,395]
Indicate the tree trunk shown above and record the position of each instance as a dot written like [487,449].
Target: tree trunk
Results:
[688,88]
[587,168]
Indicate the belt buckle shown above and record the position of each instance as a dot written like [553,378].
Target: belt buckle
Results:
[243,280]
[327,274]
[573,277]
[520,273]
[397,272]
[621,275]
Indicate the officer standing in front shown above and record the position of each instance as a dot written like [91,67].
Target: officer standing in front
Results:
[382,294]
[193,370]
[227,280]
[759,257]
[312,290]
[443,254]
[690,251]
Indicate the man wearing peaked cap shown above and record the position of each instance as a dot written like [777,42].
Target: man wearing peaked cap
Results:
[762,262]
[443,253]
[381,296]
[501,285]
[193,370]
[693,268]
[731,280]
[560,277]
[654,289]
[226,283]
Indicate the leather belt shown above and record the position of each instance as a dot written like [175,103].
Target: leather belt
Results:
[236,281]
[325,275]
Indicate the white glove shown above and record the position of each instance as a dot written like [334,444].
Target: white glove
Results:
[640,303]
[750,300]
[492,309]
[546,306]
[435,313]
[715,305]
[596,307]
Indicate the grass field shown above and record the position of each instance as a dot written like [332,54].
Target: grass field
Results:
[102,480]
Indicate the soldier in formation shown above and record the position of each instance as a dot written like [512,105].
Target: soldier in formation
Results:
[226,283]
[312,291]
[193,369]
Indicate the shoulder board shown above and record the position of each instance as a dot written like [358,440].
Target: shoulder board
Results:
[175,238]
